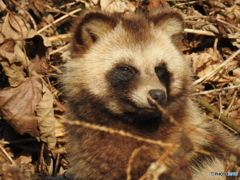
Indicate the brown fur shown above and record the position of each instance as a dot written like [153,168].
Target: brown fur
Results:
[114,66]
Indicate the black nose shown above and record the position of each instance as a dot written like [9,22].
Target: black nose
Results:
[158,95]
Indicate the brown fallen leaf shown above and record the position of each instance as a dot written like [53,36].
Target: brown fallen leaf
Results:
[16,27]
[9,172]
[37,49]
[13,62]
[46,119]
[207,61]
[38,7]
[18,105]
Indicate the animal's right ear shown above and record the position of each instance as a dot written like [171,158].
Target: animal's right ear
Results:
[90,28]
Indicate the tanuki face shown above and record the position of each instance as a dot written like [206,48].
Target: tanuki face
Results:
[121,60]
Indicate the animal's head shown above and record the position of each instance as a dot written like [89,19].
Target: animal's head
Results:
[120,60]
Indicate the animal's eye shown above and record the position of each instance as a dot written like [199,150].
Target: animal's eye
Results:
[125,69]
[125,72]
[160,71]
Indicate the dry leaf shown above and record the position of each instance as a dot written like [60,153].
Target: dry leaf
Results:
[207,61]
[236,42]
[2,6]
[111,5]
[15,27]
[117,5]
[37,49]
[46,20]
[18,105]
[236,73]
[13,61]
[9,172]
[46,119]
[39,4]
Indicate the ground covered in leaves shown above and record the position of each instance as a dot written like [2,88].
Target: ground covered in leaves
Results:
[34,36]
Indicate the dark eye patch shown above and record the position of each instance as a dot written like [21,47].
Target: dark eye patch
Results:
[121,74]
[163,74]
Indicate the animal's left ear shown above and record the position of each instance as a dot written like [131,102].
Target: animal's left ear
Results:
[90,27]
[169,21]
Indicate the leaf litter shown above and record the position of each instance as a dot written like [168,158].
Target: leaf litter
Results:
[34,38]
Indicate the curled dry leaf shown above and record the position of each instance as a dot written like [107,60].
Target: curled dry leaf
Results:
[28,108]
[38,7]
[13,61]
[37,49]
[46,20]
[207,61]
[13,172]
[46,119]
[236,73]
[111,5]
[117,5]
[15,27]
[2,5]
[9,172]
[234,11]
[236,42]
[18,105]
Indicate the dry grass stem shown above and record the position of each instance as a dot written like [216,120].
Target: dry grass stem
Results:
[208,33]
[216,90]
[60,50]
[59,37]
[6,155]
[131,160]
[114,131]
[60,19]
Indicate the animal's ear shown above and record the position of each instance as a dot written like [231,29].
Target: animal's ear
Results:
[170,22]
[90,28]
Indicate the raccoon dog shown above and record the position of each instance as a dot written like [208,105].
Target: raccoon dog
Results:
[117,62]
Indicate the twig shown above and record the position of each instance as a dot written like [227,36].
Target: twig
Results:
[216,90]
[18,141]
[208,33]
[55,10]
[233,98]
[56,165]
[27,140]
[224,22]
[131,160]
[60,19]
[188,3]
[59,37]
[162,158]
[114,131]
[6,155]
[210,74]
[223,118]
[59,49]
[72,3]
[41,159]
